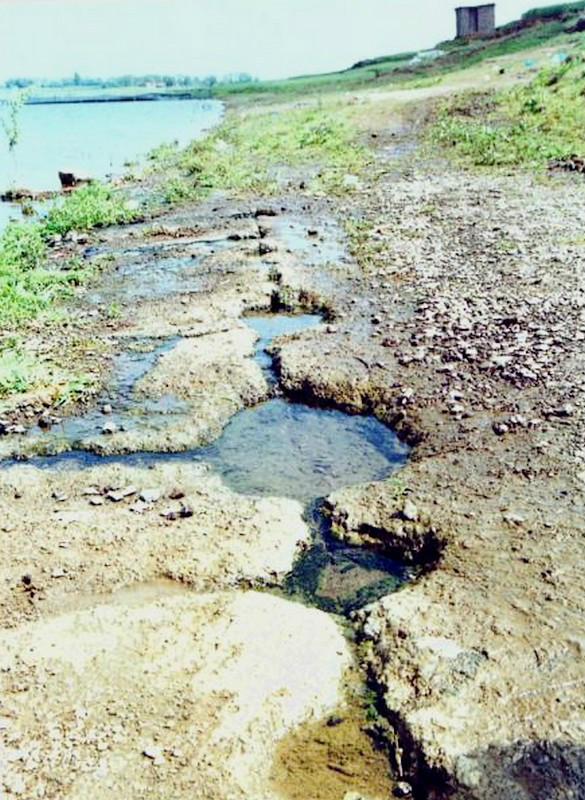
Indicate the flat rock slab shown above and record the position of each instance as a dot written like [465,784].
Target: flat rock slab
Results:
[198,532]
[181,697]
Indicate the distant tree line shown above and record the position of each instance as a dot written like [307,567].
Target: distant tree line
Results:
[143,81]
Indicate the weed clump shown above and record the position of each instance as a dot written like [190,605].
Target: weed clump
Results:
[91,206]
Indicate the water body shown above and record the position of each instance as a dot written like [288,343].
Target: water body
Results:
[97,139]
[94,139]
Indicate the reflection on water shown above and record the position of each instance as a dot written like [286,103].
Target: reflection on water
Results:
[292,450]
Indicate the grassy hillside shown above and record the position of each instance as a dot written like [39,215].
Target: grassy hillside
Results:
[548,25]
[530,124]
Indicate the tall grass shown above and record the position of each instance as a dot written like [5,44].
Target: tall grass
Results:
[91,206]
[28,284]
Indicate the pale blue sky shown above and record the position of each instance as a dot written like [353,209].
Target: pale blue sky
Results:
[268,38]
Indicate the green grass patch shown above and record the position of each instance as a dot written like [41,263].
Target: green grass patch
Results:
[555,10]
[18,372]
[91,206]
[22,372]
[245,153]
[364,73]
[29,285]
[528,125]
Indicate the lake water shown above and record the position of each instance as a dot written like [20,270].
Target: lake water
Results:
[96,139]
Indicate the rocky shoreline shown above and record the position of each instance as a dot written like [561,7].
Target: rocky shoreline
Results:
[458,321]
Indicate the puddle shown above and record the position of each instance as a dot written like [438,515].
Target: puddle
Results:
[291,450]
[148,272]
[332,759]
[325,246]
[277,448]
[269,326]
[130,412]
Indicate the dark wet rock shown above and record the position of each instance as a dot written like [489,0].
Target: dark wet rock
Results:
[265,247]
[70,179]
[60,497]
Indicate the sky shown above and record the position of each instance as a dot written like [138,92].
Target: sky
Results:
[266,38]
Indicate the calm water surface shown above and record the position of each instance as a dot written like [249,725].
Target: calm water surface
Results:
[97,139]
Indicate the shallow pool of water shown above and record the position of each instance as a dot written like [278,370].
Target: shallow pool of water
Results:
[269,326]
[292,450]
[277,448]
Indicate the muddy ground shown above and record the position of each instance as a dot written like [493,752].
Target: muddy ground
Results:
[458,320]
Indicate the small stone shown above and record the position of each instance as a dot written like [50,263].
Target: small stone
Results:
[45,421]
[514,519]
[150,495]
[500,428]
[154,753]
[96,501]
[20,429]
[402,789]
[410,511]
[120,494]
[176,494]
[109,427]
[264,248]
[107,408]
[186,511]
[563,411]
[58,573]
[60,497]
